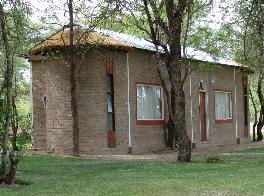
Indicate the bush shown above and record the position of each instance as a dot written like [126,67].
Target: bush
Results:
[213,159]
[24,138]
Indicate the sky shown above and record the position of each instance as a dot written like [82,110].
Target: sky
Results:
[54,10]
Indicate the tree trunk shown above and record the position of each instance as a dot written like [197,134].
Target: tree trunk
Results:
[172,27]
[8,84]
[74,85]
[254,128]
[260,123]
[171,134]
[9,178]
[182,140]
[174,66]
[255,114]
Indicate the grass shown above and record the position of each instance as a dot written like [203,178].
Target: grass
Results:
[240,173]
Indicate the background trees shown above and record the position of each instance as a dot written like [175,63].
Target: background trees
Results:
[14,31]
[251,17]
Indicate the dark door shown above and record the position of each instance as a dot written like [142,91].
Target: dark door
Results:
[202,116]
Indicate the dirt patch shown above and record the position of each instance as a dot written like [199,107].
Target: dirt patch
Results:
[17,182]
[8,186]
[162,154]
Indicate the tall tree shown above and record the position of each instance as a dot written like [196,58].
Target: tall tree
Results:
[74,83]
[12,29]
[166,22]
[251,17]
[8,84]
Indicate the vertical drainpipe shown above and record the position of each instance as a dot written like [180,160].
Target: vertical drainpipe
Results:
[128,108]
[191,103]
[235,100]
[31,96]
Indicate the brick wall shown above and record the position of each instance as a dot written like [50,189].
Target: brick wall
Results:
[58,109]
[53,124]
[145,138]
[218,134]
[93,103]
[39,74]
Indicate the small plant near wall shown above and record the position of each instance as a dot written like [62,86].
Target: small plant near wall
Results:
[213,158]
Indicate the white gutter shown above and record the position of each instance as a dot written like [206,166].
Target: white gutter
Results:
[191,102]
[235,99]
[128,107]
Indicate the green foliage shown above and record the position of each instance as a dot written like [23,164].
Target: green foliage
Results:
[15,35]
[218,43]
[250,51]
[209,66]
[253,86]
[251,16]
[24,140]
[125,24]
[24,137]
[2,117]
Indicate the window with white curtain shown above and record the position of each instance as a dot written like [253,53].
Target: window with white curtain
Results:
[149,102]
[223,105]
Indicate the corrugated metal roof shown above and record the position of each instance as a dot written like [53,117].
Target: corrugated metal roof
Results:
[144,44]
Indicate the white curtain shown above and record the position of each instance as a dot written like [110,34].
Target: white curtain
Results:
[222,105]
[149,102]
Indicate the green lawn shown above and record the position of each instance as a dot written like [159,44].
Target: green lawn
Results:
[241,173]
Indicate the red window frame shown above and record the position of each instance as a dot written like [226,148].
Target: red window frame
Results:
[228,120]
[150,121]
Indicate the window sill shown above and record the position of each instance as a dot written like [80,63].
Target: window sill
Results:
[227,121]
[150,122]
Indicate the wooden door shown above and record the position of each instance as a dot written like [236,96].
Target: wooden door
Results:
[202,116]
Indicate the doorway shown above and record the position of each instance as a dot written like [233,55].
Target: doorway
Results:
[202,107]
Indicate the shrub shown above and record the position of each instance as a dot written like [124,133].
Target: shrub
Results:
[24,138]
[213,159]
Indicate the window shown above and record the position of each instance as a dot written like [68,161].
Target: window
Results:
[110,104]
[110,100]
[45,100]
[149,104]
[223,107]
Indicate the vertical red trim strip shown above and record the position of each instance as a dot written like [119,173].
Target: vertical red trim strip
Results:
[111,133]
[109,66]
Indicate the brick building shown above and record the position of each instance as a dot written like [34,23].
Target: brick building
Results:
[122,106]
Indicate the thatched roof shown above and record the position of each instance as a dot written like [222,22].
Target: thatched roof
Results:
[61,39]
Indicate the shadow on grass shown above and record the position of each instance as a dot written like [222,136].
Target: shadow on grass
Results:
[22,182]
